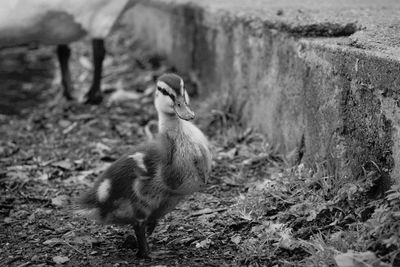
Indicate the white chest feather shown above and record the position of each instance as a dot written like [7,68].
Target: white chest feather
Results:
[199,142]
[194,133]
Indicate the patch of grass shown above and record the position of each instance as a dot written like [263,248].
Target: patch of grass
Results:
[322,215]
[299,216]
[384,227]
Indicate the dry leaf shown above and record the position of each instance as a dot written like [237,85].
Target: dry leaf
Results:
[236,239]
[70,128]
[60,259]
[149,90]
[53,241]
[358,259]
[230,181]
[59,201]
[286,241]
[64,123]
[18,175]
[20,214]
[43,177]
[101,148]
[63,164]
[86,63]
[258,158]
[86,116]
[126,128]
[120,96]
[204,244]
[79,161]
[230,154]
[85,240]
[21,168]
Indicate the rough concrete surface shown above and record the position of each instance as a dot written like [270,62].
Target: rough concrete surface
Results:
[320,78]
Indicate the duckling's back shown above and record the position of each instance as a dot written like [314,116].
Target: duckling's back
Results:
[148,183]
[128,191]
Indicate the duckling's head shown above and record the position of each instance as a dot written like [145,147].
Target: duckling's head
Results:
[171,97]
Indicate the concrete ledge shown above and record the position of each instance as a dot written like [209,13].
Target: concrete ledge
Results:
[316,81]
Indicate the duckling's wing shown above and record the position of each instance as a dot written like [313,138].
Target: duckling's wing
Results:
[119,182]
[115,183]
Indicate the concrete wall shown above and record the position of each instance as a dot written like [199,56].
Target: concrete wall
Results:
[318,101]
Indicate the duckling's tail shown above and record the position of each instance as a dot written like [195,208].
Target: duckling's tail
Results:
[86,206]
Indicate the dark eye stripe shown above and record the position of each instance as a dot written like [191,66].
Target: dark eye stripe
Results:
[165,92]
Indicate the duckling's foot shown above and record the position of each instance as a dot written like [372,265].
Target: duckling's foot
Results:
[143,254]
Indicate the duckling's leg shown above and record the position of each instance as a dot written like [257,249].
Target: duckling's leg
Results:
[94,95]
[63,54]
[151,225]
[143,247]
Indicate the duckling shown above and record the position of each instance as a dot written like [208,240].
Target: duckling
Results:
[147,183]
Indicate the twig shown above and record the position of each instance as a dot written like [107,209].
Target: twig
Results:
[70,128]
[68,244]
[24,264]
[205,211]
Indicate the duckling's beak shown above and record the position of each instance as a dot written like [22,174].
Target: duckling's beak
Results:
[182,109]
